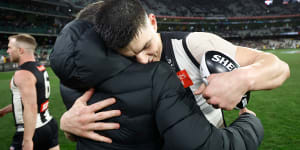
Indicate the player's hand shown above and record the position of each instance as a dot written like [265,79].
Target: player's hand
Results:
[246,110]
[224,90]
[200,89]
[27,145]
[2,113]
[81,118]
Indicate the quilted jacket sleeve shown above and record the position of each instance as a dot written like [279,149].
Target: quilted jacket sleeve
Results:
[183,126]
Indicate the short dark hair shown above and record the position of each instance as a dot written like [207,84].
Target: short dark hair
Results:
[119,21]
[88,12]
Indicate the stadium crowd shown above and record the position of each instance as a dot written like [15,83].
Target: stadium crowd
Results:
[215,8]
[18,16]
[32,6]
[266,44]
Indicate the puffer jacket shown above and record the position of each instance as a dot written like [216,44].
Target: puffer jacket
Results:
[157,112]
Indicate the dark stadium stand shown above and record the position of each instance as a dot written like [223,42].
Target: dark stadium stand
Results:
[248,23]
[43,19]
[211,8]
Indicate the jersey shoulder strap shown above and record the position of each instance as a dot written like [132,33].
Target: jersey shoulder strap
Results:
[168,52]
[33,67]
[188,52]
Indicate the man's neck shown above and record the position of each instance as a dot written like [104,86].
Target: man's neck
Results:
[25,59]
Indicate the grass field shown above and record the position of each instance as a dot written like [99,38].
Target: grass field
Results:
[277,109]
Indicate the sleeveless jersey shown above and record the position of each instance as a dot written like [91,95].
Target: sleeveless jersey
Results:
[176,53]
[42,90]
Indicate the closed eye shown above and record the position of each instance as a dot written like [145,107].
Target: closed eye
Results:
[132,58]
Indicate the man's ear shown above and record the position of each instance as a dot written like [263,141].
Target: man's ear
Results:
[153,22]
[21,50]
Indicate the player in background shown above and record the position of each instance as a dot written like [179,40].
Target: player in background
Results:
[35,127]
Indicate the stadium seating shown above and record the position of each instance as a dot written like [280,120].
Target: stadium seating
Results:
[230,19]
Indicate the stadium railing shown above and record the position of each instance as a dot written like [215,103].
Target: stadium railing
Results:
[4,67]
[8,67]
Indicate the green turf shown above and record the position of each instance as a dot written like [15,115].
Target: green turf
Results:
[277,109]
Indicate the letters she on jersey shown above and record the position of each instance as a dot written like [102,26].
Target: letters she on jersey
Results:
[217,62]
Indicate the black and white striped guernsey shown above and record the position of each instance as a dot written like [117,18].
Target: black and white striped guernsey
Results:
[176,53]
[43,93]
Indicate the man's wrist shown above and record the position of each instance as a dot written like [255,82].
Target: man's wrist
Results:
[70,136]
[246,77]
[27,139]
[62,122]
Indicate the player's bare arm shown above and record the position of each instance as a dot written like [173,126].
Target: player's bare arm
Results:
[5,110]
[259,71]
[81,118]
[26,81]
[263,70]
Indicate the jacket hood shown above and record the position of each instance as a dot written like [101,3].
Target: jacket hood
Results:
[80,59]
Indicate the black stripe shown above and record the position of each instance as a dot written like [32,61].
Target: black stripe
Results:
[224,122]
[189,53]
[167,52]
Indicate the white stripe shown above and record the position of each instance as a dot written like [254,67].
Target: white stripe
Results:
[39,122]
[18,109]
[17,103]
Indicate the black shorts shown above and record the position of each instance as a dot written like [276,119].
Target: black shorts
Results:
[44,137]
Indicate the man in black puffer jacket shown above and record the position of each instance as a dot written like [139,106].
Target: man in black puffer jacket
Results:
[157,112]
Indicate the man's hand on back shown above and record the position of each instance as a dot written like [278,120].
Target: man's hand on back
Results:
[81,118]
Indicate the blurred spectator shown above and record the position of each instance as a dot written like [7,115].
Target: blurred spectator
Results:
[2,59]
[274,43]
